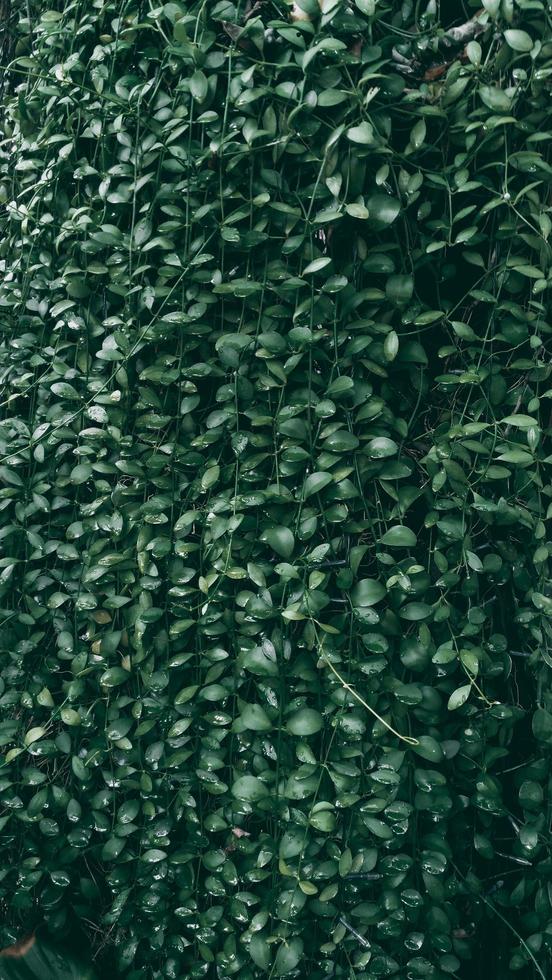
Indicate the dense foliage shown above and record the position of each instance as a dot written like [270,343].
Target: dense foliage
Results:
[276,605]
[33,958]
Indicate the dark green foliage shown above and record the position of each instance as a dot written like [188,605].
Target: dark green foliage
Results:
[37,959]
[275,585]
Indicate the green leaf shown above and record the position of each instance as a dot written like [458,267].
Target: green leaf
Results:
[141,232]
[33,735]
[429,317]
[399,537]
[542,725]
[428,748]
[316,265]
[186,694]
[519,421]
[330,45]
[254,716]
[518,40]
[391,346]
[418,134]
[153,856]
[305,721]
[459,697]
[128,811]
[399,289]
[415,611]
[378,828]
[288,956]
[341,441]
[114,676]
[340,386]
[280,539]
[316,482]
[359,211]
[250,789]
[210,477]
[383,209]
[474,561]
[363,134]
[542,602]
[495,98]
[112,848]
[70,717]
[474,52]
[454,89]
[518,456]
[79,769]
[382,447]
[367,592]
[199,86]
[259,951]
[81,473]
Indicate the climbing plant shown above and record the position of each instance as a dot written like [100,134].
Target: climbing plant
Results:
[275,594]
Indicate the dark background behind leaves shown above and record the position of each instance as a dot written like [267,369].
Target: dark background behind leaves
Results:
[274,572]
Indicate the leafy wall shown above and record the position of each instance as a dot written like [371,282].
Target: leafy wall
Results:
[274,573]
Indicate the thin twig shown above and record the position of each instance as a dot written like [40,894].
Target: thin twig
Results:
[404,738]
